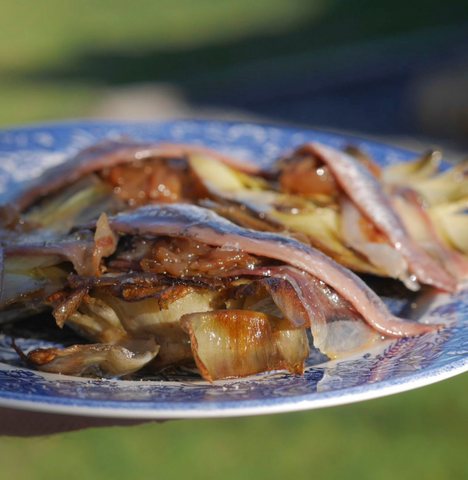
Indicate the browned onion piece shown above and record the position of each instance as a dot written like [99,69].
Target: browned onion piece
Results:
[97,322]
[105,242]
[308,176]
[158,318]
[64,308]
[108,319]
[238,343]
[101,360]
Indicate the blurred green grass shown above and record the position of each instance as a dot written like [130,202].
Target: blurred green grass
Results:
[58,56]
[414,435]
[52,31]
[53,34]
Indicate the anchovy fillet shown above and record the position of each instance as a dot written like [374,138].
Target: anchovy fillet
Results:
[206,226]
[368,195]
[108,154]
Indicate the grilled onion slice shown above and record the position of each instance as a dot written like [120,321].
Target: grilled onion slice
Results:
[100,359]
[238,343]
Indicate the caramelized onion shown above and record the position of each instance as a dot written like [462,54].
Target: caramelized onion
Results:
[307,176]
[238,343]
[185,257]
[407,172]
[153,180]
[100,360]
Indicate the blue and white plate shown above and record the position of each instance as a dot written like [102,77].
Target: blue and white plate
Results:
[390,368]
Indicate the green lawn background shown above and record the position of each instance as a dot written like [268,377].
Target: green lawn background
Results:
[413,435]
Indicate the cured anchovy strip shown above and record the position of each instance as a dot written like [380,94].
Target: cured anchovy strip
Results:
[21,259]
[108,154]
[381,254]
[367,193]
[414,214]
[335,325]
[77,249]
[206,226]
[81,249]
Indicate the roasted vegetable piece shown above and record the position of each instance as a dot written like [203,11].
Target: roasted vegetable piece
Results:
[238,343]
[101,360]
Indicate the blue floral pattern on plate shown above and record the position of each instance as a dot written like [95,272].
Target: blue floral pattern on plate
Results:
[391,367]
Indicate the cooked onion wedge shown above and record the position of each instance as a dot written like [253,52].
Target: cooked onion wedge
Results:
[100,360]
[451,221]
[405,173]
[238,343]
[75,205]
[446,187]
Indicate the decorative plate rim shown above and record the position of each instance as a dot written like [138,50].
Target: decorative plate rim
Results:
[231,408]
